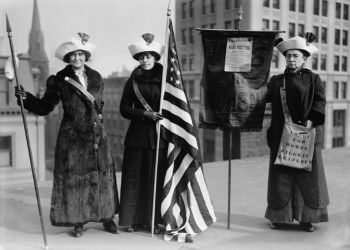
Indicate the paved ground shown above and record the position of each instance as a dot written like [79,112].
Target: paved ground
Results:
[20,227]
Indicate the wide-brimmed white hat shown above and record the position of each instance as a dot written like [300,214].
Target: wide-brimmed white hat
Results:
[147,44]
[73,45]
[299,43]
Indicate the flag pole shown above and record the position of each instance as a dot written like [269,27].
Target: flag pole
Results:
[229,181]
[9,33]
[165,60]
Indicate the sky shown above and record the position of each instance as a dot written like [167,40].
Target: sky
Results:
[112,25]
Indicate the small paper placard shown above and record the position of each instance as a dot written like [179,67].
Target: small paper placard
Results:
[238,54]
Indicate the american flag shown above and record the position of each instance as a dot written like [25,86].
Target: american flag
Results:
[186,206]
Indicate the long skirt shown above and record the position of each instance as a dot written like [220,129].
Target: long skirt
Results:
[137,187]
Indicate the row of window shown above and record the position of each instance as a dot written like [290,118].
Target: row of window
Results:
[343,66]
[207,7]
[187,66]
[339,90]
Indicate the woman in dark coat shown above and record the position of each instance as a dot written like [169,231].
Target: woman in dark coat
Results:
[84,184]
[297,194]
[141,139]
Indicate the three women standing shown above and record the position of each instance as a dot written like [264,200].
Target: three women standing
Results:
[295,194]
[84,184]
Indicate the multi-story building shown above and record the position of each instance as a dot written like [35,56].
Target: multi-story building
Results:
[328,19]
[115,125]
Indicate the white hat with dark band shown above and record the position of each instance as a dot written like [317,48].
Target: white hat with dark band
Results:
[73,45]
[147,44]
[299,43]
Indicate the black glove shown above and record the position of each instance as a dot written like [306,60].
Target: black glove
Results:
[19,91]
[155,116]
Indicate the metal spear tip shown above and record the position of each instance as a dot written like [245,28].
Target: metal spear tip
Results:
[8,27]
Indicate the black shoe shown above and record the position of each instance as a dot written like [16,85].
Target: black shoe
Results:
[274,225]
[307,226]
[188,239]
[132,229]
[78,231]
[111,227]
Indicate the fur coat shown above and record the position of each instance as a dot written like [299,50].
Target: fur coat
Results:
[84,184]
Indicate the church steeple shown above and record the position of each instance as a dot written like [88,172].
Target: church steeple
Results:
[36,50]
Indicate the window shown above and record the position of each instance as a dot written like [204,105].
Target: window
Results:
[212,6]
[184,5]
[274,60]
[315,61]
[266,24]
[191,10]
[204,26]
[228,4]
[238,3]
[336,63]
[5,151]
[291,29]
[337,37]
[236,24]
[301,30]
[316,7]
[323,62]
[345,37]
[191,89]
[339,128]
[316,31]
[346,12]
[324,7]
[183,62]
[191,62]
[266,3]
[302,6]
[209,145]
[335,90]
[292,5]
[275,25]
[276,4]
[337,10]
[213,25]
[204,7]
[183,36]
[4,91]
[191,38]
[228,24]
[323,35]
[343,90]
[344,63]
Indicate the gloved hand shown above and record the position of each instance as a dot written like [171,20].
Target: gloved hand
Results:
[155,116]
[20,91]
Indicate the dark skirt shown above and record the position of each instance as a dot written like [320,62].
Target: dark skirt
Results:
[137,187]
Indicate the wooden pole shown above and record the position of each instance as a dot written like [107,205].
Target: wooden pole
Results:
[158,123]
[9,32]
[229,182]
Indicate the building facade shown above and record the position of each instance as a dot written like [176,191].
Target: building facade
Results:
[14,158]
[116,126]
[328,19]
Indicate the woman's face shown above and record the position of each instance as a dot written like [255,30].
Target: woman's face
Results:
[147,61]
[294,59]
[77,59]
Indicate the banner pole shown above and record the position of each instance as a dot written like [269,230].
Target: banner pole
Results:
[229,182]
[9,33]
[158,122]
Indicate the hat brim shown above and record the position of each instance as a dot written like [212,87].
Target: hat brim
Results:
[297,43]
[71,46]
[137,48]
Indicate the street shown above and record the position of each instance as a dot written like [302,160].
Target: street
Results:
[20,225]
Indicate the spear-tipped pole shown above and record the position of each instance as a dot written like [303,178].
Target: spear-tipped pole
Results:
[240,13]
[158,123]
[9,33]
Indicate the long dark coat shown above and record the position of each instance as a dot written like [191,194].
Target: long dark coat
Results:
[140,148]
[306,100]
[84,184]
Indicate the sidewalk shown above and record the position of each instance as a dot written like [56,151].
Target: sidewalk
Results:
[20,226]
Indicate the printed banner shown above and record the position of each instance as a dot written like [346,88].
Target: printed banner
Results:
[235,71]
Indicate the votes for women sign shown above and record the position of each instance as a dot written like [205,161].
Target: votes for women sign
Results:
[235,71]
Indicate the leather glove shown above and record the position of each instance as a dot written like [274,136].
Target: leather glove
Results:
[155,116]
[19,91]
